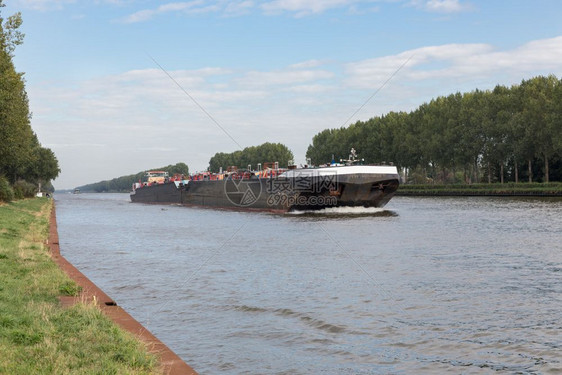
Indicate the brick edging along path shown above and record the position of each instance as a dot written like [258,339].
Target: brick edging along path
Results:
[171,363]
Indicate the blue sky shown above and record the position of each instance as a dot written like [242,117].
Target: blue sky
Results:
[266,71]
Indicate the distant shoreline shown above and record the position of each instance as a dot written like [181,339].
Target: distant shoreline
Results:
[511,189]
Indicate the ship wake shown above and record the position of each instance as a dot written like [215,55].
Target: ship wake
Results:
[347,211]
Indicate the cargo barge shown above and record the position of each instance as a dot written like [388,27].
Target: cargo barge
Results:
[343,184]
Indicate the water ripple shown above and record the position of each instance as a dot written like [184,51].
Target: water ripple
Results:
[457,285]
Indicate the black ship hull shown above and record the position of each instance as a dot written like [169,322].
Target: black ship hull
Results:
[281,194]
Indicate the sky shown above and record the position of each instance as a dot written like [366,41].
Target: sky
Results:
[121,86]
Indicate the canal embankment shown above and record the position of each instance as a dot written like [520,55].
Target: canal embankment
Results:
[54,319]
[553,189]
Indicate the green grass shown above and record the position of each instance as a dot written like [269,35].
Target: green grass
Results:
[37,335]
[508,189]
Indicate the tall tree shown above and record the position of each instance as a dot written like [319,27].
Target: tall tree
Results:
[475,132]
[16,135]
[266,152]
[21,155]
[538,106]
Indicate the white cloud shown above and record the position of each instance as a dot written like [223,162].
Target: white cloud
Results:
[122,119]
[307,64]
[311,89]
[127,115]
[459,62]
[227,8]
[146,14]
[283,78]
[441,6]
[357,7]
[238,8]
[445,6]
[304,7]
[44,4]
[299,8]
[232,8]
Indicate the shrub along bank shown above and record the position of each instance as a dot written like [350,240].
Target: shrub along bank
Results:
[37,335]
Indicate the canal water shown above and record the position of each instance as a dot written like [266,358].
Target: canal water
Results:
[425,286]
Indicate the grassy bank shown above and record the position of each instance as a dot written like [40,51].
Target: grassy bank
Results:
[507,189]
[37,335]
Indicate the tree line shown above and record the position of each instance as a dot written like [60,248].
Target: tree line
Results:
[24,163]
[266,152]
[124,183]
[505,134]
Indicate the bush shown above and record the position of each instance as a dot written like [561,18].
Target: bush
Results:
[24,189]
[6,192]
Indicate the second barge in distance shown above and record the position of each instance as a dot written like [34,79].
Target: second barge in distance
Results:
[344,184]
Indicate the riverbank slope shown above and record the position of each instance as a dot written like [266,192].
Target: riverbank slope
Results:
[553,189]
[54,322]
